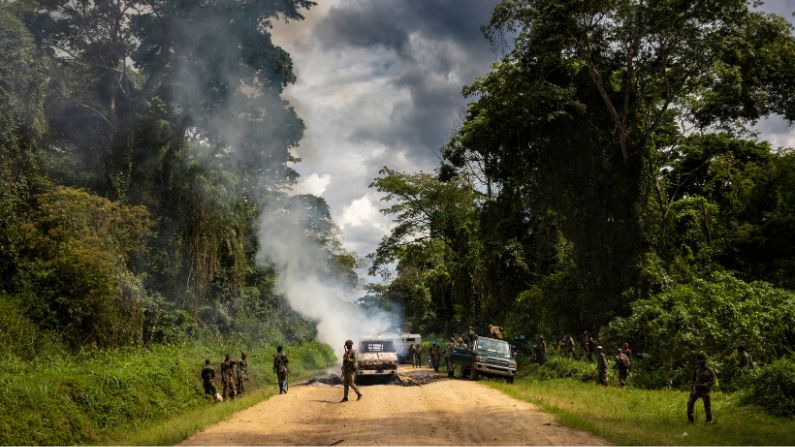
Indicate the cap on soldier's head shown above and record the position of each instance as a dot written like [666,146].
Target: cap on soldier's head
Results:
[349,342]
[598,348]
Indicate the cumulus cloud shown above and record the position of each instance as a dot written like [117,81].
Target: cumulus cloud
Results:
[379,84]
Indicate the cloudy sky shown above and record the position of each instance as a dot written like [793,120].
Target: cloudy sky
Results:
[379,84]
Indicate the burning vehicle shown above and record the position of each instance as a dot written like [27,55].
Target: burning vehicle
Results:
[377,358]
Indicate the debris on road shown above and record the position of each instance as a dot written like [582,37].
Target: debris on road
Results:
[325,379]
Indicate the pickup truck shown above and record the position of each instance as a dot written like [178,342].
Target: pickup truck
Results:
[486,356]
[377,358]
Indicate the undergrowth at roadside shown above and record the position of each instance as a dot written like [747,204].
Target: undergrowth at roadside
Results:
[632,416]
[117,396]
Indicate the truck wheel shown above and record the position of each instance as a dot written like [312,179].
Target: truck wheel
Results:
[473,374]
[509,379]
[464,373]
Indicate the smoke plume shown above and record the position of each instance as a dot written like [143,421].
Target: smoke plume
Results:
[306,279]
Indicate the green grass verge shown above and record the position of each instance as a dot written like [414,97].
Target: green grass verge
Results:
[632,416]
[104,396]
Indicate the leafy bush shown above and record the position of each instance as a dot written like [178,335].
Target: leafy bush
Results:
[713,316]
[774,388]
[557,367]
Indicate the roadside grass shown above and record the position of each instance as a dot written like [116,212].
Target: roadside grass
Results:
[104,396]
[632,416]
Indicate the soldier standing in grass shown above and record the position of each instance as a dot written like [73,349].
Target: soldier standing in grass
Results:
[622,364]
[541,350]
[601,367]
[569,347]
[703,379]
[745,358]
[208,379]
[280,362]
[242,373]
[228,377]
[349,367]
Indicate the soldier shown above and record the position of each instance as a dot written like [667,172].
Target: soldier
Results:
[601,367]
[413,354]
[280,363]
[703,379]
[623,364]
[418,350]
[585,339]
[745,358]
[208,379]
[471,335]
[435,356]
[569,347]
[242,373]
[448,357]
[541,350]
[496,331]
[228,377]
[349,367]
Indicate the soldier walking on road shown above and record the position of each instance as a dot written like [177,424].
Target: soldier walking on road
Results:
[703,379]
[435,356]
[601,367]
[280,363]
[208,379]
[228,377]
[349,367]
[448,357]
[622,364]
[242,373]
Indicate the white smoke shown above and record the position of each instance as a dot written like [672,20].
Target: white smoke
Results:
[308,283]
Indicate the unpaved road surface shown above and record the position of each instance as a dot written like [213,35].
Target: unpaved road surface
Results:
[445,412]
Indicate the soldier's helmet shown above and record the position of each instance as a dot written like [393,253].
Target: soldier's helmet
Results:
[348,342]
[598,348]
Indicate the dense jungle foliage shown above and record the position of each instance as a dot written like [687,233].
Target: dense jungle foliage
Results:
[139,143]
[607,178]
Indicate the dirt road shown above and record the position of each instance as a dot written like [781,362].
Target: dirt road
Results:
[444,412]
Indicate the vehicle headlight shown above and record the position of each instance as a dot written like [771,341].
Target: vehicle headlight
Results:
[512,363]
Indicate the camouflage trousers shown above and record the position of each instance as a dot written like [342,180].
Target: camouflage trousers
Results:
[602,376]
[691,402]
[348,382]
[229,387]
[282,376]
[241,380]
[209,388]
[622,376]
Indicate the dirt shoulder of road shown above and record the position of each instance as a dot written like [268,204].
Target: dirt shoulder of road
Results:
[444,412]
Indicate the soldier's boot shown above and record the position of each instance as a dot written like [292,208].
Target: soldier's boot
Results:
[691,402]
[359,397]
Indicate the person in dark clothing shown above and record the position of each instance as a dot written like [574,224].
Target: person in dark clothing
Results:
[208,379]
[703,379]
[280,362]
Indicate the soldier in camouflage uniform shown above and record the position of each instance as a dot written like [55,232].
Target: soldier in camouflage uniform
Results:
[601,366]
[228,377]
[622,364]
[208,379]
[435,356]
[746,361]
[703,379]
[349,367]
[280,367]
[448,357]
[541,350]
[568,346]
[242,373]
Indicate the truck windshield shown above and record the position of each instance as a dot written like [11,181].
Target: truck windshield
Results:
[494,347]
[376,346]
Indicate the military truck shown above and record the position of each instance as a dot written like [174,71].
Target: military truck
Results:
[377,359]
[486,356]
